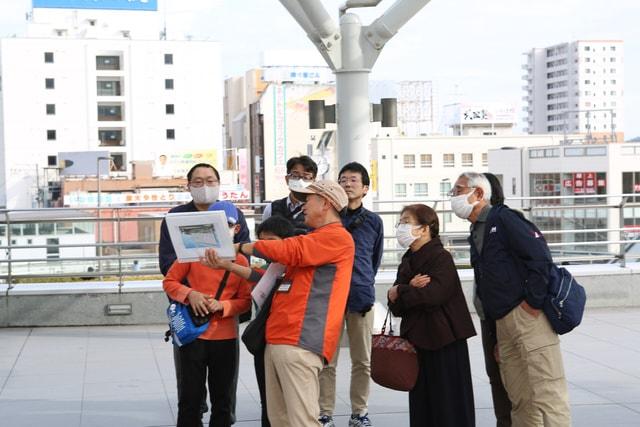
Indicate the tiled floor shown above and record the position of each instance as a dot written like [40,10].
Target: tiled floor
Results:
[123,376]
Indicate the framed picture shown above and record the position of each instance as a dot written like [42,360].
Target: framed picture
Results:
[193,232]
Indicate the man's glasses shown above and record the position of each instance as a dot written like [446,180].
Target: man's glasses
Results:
[457,190]
[352,180]
[200,182]
[305,177]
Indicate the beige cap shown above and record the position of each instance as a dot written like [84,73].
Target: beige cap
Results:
[330,190]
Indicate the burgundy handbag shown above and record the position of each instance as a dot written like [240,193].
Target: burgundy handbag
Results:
[394,361]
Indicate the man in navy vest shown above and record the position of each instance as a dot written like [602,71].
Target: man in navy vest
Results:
[368,234]
[301,171]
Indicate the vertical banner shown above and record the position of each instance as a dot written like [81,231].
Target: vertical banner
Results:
[280,131]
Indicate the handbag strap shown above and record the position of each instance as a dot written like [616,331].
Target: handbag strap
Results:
[387,317]
[223,284]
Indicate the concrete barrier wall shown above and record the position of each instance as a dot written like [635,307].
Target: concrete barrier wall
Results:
[84,303]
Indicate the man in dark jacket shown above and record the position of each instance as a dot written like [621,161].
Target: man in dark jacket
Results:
[301,171]
[367,232]
[511,264]
[203,181]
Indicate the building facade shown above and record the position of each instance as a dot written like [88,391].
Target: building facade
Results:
[584,187]
[576,88]
[86,79]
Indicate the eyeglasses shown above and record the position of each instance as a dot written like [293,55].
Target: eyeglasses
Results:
[458,189]
[404,221]
[305,177]
[352,180]
[200,182]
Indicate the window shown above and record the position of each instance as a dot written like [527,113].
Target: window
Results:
[53,248]
[409,161]
[587,48]
[48,57]
[109,112]
[421,189]
[51,135]
[168,58]
[118,162]
[168,84]
[110,62]
[445,188]
[110,137]
[169,109]
[51,109]
[109,88]
[449,160]
[400,190]
[52,160]
[425,160]
[49,83]
[485,161]
[171,134]
[467,159]
[612,60]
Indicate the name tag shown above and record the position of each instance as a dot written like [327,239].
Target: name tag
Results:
[284,286]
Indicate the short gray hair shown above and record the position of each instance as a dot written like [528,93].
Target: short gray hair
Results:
[478,180]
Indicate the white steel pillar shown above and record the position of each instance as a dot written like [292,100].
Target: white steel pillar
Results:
[351,51]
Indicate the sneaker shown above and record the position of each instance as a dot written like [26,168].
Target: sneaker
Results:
[326,421]
[360,420]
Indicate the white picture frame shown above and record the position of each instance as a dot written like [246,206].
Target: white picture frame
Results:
[193,232]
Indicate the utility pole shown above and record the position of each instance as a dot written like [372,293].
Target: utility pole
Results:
[351,50]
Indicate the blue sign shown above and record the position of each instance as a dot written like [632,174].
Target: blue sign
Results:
[97,4]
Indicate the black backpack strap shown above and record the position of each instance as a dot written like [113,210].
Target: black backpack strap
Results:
[223,284]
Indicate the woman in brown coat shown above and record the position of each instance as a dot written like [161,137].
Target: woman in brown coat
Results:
[428,296]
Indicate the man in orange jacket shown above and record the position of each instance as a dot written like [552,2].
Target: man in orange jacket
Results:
[307,312]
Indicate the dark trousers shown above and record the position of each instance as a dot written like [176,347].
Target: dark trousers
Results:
[203,405]
[258,364]
[501,402]
[443,394]
[207,361]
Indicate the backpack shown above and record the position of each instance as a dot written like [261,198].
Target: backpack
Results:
[564,304]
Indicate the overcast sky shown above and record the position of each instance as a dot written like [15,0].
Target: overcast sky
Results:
[471,49]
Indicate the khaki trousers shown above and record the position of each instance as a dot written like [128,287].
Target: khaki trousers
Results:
[359,330]
[292,386]
[532,371]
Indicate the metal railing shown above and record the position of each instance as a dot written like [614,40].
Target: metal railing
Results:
[67,250]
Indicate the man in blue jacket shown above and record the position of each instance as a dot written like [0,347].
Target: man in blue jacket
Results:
[367,232]
[511,263]
[203,182]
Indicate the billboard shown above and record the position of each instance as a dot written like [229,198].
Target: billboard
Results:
[177,164]
[146,5]
[83,163]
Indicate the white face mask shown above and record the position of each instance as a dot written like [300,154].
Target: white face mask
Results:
[461,207]
[404,235]
[298,184]
[204,195]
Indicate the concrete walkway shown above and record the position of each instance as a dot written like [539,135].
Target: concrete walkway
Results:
[123,376]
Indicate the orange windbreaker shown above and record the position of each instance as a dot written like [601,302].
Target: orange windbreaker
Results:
[235,298]
[310,313]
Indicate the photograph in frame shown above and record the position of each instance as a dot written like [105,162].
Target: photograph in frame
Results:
[193,232]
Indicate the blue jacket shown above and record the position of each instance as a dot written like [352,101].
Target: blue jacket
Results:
[367,232]
[166,253]
[513,265]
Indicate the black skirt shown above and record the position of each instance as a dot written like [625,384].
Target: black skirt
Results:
[443,395]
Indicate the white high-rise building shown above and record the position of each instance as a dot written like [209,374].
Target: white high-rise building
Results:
[576,88]
[101,76]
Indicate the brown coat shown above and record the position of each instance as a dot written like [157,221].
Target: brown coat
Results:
[437,314]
